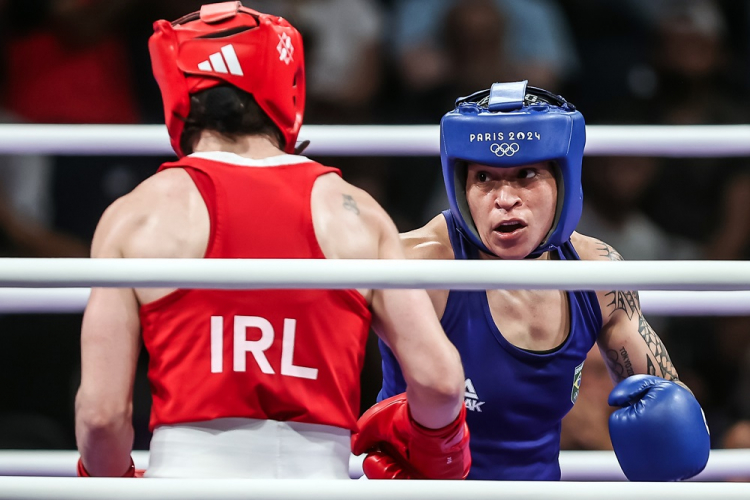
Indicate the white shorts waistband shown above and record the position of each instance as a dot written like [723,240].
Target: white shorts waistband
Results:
[250,448]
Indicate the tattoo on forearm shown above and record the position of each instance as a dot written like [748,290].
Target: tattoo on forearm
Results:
[658,351]
[350,204]
[619,363]
[628,302]
[661,365]
[608,252]
[657,361]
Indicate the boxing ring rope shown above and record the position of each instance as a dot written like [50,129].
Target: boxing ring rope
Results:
[358,273]
[311,489]
[653,302]
[574,465]
[651,276]
[375,140]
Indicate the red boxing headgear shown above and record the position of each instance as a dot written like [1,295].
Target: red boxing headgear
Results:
[228,43]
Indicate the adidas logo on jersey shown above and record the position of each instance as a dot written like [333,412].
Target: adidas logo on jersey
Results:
[224,61]
[471,398]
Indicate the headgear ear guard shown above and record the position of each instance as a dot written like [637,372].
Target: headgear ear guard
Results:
[226,43]
[511,125]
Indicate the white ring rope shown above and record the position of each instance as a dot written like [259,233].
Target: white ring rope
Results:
[653,302]
[574,465]
[354,273]
[311,489]
[375,140]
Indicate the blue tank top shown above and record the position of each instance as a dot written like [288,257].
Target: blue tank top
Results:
[516,399]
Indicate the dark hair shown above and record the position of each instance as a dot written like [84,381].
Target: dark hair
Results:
[229,111]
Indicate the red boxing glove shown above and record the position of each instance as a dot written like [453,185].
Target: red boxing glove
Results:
[400,448]
[131,472]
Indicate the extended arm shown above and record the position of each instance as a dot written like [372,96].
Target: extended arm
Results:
[350,224]
[422,434]
[431,365]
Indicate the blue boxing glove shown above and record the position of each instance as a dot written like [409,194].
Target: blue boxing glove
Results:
[660,433]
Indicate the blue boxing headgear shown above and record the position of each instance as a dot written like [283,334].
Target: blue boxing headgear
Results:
[511,125]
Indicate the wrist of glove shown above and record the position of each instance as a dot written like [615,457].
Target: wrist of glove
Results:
[131,472]
[660,432]
[399,448]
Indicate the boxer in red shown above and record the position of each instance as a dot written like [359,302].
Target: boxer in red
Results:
[262,383]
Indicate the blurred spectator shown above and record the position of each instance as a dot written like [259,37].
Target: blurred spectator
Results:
[690,57]
[741,397]
[343,55]
[26,209]
[66,62]
[612,38]
[738,436]
[473,43]
[614,187]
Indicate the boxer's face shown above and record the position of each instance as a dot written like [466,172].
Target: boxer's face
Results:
[513,208]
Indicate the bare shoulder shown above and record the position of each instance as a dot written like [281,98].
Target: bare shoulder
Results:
[349,223]
[165,187]
[142,213]
[589,248]
[333,192]
[430,241]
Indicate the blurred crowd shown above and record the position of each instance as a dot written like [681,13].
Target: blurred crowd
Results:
[626,62]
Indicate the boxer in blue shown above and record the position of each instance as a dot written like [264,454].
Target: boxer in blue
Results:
[511,160]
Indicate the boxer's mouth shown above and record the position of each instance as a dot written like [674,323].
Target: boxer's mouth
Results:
[510,226]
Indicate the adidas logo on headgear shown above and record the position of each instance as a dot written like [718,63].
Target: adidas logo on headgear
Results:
[226,64]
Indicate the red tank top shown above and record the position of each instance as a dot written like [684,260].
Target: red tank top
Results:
[266,354]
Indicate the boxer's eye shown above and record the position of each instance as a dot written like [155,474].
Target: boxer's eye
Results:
[527,173]
[482,176]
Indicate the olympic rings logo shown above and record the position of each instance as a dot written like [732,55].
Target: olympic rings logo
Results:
[505,149]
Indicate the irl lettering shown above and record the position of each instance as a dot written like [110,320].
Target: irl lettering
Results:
[257,348]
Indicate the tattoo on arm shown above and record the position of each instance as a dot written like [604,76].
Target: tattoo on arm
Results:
[658,351]
[619,363]
[350,204]
[628,302]
[661,365]
[657,361]
[608,252]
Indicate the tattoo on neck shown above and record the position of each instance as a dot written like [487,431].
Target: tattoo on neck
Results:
[350,204]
